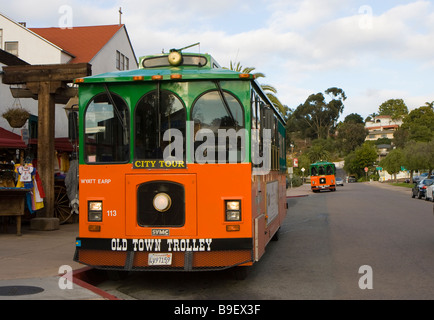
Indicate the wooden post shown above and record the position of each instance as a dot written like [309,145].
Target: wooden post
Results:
[46,131]
[48,83]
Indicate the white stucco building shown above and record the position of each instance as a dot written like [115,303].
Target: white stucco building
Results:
[382,127]
[106,48]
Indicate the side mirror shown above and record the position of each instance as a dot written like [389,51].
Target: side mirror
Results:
[73,125]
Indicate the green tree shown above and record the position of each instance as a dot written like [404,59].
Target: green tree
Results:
[400,137]
[430,156]
[350,165]
[393,161]
[316,118]
[419,124]
[354,118]
[429,104]
[363,156]
[393,107]
[318,153]
[419,156]
[350,135]
[303,162]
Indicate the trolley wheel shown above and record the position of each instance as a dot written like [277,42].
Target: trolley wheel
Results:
[61,204]
[240,273]
[276,236]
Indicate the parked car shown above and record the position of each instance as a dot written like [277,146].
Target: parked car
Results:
[429,193]
[420,188]
[351,179]
[339,181]
[417,179]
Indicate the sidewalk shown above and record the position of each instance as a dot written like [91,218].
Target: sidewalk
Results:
[301,191]
[30,266]
[385,185]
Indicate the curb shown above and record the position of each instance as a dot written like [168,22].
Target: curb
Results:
[88,278]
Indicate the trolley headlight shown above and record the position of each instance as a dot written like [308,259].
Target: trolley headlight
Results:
[233,210]
[94,212]
[175,58]
[162,202]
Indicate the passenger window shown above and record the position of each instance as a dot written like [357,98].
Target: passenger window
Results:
[106,133]
[154,115]
[213,111]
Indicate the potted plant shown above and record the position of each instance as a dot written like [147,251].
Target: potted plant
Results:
[16,116]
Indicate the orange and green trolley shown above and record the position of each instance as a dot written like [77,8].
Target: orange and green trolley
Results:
[322,176]
[168,170]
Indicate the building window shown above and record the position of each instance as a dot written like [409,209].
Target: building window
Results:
[118,60]
[122,62]
[12,47]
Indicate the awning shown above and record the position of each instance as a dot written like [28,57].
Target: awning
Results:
[60,144]
[9,139]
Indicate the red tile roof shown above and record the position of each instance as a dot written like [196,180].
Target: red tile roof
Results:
[82,42]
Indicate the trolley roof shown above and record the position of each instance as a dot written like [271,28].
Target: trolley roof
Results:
[193,66]
[321,163]
[178,66]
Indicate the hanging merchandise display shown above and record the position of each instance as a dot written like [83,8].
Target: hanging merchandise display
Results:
[28,178]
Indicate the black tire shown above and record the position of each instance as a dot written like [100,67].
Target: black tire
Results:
[240,273]
[276,236]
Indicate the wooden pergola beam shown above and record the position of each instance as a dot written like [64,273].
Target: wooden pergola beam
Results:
[49,84]
[61,98]
[51,72]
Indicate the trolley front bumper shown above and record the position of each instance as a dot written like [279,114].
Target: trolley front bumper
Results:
[164,254]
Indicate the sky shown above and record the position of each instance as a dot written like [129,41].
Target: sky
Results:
[373,50]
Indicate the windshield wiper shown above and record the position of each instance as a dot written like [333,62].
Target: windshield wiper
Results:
[225,103]
[115,108]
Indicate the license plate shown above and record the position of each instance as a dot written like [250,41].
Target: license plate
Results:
[159,259]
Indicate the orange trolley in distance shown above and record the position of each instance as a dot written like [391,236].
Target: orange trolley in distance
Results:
[172,173]
[322,176]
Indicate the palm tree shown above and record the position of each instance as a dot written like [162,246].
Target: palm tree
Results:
[318,153]
[269,90]
[429,104]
